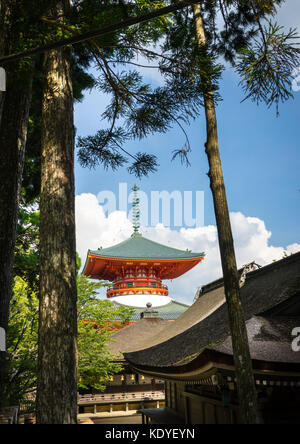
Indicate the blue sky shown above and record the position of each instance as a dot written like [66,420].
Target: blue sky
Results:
[260,156]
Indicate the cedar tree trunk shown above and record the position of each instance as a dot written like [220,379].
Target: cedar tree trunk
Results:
[57,361]
[242,358]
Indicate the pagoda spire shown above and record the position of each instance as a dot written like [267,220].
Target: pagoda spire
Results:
[136,211]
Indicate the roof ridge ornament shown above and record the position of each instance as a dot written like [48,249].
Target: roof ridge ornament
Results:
[252,266]
[149,312]
[136,212]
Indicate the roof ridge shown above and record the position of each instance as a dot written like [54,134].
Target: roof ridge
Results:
[141,237]
[167,246]
[275,264]
[217,283]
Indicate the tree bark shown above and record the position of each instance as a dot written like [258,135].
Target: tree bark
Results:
[57,361]
[2,97]
[3,7]
[243,363]
[14,112]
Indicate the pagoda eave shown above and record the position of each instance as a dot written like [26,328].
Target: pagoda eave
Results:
[105,268]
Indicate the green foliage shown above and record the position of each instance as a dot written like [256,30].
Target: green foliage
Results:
[264,56]
[91,308]
[20,22]
[95,363]
[23,320]
[27,244]
[266,66]
[22,340]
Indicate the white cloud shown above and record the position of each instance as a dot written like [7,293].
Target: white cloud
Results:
[252,242]
[94,229]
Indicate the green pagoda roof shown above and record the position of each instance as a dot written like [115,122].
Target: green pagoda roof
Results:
[138,247]
[169,312]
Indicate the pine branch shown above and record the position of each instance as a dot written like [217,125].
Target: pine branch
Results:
[266,67]
[127,62]
[97,33]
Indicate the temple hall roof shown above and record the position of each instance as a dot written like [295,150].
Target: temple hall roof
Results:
[270,297]
[135,336]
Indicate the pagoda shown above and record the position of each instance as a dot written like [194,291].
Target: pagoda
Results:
[137,268]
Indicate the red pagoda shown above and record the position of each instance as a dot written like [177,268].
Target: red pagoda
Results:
[137,268]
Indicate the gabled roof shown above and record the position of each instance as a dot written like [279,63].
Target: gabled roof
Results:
[138,247]
[266,288]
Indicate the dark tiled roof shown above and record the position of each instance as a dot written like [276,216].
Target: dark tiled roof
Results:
[264,289]
[137,335]
[269,339]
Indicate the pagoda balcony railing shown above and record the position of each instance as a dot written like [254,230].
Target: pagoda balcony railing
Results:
[136,288]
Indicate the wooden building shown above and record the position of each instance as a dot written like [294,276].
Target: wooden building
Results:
[129,390]
[195,359]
